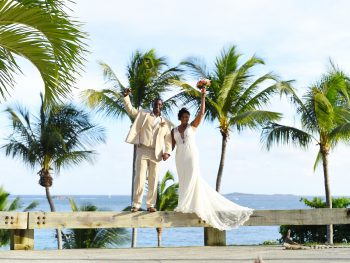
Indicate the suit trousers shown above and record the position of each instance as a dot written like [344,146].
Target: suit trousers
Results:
[146,167]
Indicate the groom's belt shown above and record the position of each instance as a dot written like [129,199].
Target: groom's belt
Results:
[144,147]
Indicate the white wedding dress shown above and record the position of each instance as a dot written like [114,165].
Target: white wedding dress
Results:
[195,195]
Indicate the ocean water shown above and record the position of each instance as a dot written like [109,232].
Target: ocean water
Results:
[245,235]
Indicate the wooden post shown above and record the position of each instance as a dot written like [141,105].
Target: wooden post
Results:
[22,239]
[133,237]
[214,237]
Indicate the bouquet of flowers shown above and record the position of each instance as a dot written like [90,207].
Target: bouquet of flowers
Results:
[203,84]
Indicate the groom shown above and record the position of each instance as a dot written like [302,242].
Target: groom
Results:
[151,132]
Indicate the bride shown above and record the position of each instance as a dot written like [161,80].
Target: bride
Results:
[195,195]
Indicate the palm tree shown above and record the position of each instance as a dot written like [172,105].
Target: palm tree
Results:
[325,120]
[42,32]
[167,198]
[149,77]
[58,137]
[12,206]
[93,238]
[235,98]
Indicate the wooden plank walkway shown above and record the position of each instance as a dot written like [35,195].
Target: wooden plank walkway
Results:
[238,254]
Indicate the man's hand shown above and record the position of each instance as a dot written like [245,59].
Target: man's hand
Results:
[165,156]
[127,91]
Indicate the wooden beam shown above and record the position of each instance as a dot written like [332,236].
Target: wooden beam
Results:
[320,216]
[13,220]
[42,220]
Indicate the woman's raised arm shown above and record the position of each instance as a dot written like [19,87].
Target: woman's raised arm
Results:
[195,123]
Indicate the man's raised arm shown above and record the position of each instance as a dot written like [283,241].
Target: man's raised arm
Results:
[128,106]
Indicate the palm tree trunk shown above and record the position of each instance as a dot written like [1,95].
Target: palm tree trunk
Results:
[52,208]
[325,153]
[222,161]
[159,235]
[134,230]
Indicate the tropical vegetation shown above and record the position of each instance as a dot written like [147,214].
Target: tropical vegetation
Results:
[149,77]
[167,198]
[42,32]
[317,233]
[58,136]
[325,121]
[236,99]
[93,238]
[62,135]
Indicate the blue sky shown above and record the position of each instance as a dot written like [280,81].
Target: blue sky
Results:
[296,39]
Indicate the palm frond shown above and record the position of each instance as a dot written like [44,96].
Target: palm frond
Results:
[167,194]
[149,78]
[49,38]
[251,91]
[22,143]
[106,102]
[340,133]
[259,100]
[110,76]
[324,111]
[8,68]
[196,67]
[275,133]
[3,199]
[73,158]
[317,160]
[226,63]
[73,205]
[254,119]
[31,206]
[15,204]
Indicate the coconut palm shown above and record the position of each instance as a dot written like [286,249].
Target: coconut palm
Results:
[60,136]
[5,205]
[93,238]
[235,98]
[42,32]
[167,198]
[325,120]
[149,77]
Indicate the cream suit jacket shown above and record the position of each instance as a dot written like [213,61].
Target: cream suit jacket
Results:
[163,137]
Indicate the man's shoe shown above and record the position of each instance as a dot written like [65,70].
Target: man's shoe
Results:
[135,209]
[151,209]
